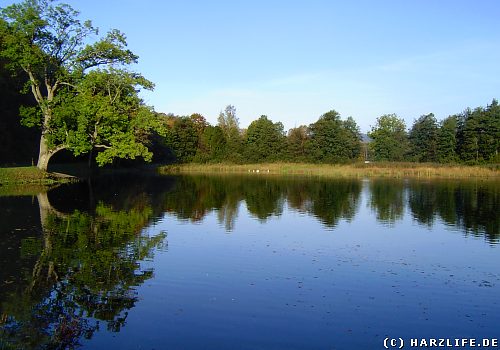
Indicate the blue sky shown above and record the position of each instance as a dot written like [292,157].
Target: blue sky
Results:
[295,60]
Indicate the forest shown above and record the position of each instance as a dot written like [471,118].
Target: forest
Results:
[79,94]
[470,137]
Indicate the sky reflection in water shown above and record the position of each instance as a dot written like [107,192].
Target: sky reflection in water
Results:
[254,262]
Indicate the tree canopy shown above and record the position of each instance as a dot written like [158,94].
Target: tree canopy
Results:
[65,71]
[423,137]
[264,140]
[390,142]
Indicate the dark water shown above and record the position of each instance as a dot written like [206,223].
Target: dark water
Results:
[248,263]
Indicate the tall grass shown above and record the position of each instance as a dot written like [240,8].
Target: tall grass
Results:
[30,175]
[382,169]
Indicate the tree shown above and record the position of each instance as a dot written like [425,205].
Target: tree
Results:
[229,124]
[182,139]
[105,113]
[446,140]
[265,140]
[333,140]
[352,138]
[296,141]
[479,133]
[49,44]
[213,144]
[390,140]
[493,117]
[423,139]
[11,131]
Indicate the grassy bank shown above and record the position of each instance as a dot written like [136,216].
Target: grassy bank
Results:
[30,175]
[395,170]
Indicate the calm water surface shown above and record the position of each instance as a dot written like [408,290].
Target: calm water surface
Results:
[248,263]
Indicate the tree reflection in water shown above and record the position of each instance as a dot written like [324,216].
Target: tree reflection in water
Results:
[329,200]
[387,200]
[82,272]
[467,206]
[88,267]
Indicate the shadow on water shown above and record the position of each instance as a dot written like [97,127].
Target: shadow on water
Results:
[72,258]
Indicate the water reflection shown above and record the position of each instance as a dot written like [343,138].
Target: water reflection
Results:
[328,200]
[84,267]
[471,207]
[387,199]
[73,258]
[468,206]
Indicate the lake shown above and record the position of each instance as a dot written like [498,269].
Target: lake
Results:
[249,262]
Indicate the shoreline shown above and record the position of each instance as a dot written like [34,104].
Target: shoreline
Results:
[357,170]
[15,176]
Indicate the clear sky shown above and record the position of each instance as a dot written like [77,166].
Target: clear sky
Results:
[295,60]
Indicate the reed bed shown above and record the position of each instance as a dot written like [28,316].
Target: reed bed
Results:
[386,169]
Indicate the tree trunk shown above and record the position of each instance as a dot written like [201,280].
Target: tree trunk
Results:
[44,154]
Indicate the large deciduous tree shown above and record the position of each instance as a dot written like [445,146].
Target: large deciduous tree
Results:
[265,140]
[54,49]
[390,140]
[333,140]
[106,114]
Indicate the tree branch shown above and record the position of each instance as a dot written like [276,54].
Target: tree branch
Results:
[35,89]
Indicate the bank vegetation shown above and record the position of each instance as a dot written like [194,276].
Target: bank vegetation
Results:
[357,170]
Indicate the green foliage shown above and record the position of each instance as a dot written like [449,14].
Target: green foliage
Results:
[296,142]
[478,135]
[390,140]
[352,138]
[182,138]
[12,151]
[54,50]
[265,140]
[446,140]
[30,116]
[213,144]
[332,140]
[423,139]
[107,114]
[229,124]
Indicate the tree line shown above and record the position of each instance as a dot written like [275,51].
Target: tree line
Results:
[85,99]
[472,136]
